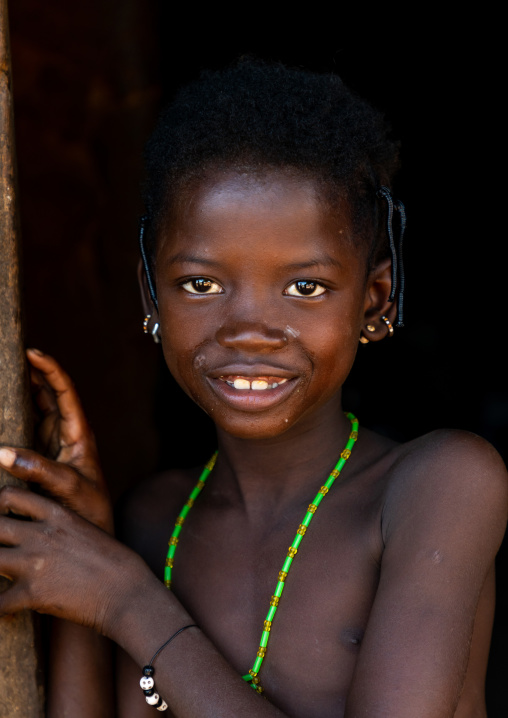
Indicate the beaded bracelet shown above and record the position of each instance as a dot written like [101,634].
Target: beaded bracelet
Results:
[147,682]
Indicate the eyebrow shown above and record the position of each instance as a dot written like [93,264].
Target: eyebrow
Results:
[191,259]
[324,260]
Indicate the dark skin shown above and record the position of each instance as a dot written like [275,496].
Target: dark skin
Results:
[388,607]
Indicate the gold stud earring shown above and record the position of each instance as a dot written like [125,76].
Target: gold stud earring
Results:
[364,340]
[370,328]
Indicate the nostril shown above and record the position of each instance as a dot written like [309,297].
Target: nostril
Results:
[253,336]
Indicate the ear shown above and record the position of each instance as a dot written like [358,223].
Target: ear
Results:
[146,300]
[379,313]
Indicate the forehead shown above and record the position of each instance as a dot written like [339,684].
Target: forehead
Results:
[274,193]
[250,204]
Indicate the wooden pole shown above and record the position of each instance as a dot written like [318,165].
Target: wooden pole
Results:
[21,692]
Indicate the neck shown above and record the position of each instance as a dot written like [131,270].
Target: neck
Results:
[270,475]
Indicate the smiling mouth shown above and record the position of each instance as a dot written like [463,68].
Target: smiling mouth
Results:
[260,383]
[253,388]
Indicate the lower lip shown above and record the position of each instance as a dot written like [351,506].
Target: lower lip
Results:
[252,399]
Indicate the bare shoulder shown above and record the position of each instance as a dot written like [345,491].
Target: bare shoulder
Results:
[443,516]
[449,456]
[452,474]
[145,515]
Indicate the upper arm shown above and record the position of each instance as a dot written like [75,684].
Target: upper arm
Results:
[443,522]
[145,516]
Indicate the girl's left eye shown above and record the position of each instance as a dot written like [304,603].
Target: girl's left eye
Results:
[305,288]
[202,285]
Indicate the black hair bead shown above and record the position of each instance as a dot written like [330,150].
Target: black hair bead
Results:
[398,275]
[146,262]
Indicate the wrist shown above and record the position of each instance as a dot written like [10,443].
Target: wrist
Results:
[138,608]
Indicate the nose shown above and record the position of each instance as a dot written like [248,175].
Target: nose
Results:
[251,337]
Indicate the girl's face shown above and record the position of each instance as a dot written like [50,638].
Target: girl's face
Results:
[262,296]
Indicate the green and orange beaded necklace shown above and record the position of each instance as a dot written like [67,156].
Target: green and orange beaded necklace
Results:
[252,676]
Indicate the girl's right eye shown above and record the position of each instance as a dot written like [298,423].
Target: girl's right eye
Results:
[202,285]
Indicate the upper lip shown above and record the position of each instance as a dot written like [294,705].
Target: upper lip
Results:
[253,371]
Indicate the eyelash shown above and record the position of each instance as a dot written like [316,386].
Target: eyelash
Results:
[190,288]
[306,283]
[204,281]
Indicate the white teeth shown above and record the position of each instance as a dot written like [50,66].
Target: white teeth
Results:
[255,385]
[259,385]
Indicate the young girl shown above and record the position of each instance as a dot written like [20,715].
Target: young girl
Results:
[314,568]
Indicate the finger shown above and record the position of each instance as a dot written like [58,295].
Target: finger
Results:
[74,424]
[24,503]
[48,416]
[42,394]
[7,565]
[53,476]
[14,598]
[9,531]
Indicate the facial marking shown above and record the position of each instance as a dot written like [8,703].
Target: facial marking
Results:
[436,557]
[199,361]
[294,332]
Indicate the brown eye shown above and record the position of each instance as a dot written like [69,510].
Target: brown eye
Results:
[202,285]
[305,288]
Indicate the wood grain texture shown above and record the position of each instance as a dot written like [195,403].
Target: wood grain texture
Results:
[21,692]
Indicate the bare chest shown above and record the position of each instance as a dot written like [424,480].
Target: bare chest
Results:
[226,573]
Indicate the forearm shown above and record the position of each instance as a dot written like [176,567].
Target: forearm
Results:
[190,674]
[80,673]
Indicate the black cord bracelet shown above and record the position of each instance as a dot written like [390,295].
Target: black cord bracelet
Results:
[147,682]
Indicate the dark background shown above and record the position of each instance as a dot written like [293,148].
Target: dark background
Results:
[88,81]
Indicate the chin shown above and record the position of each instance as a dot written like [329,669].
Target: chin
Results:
[254,428]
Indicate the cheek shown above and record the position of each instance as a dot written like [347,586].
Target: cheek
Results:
[183,366]
[184,343]
[332,333]
[178,344]
[332,347]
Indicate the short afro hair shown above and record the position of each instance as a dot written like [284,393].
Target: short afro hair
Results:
[259,115]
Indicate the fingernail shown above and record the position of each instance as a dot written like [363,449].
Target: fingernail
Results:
[7,457]
[37,352]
